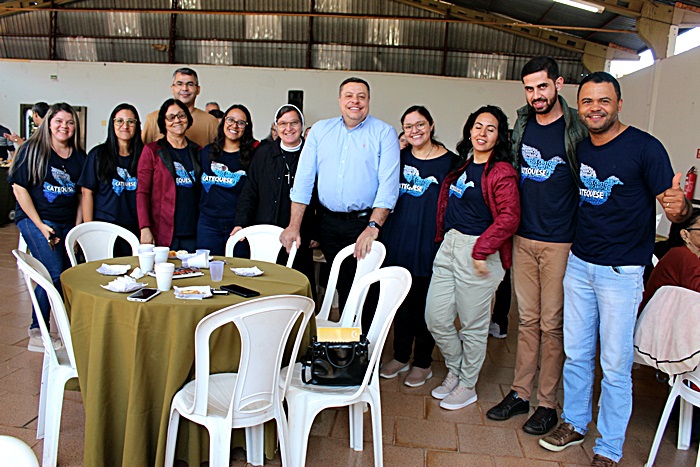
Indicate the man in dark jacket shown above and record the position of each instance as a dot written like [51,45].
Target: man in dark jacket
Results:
[545,137]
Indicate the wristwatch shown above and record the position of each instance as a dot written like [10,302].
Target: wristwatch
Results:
[374,225]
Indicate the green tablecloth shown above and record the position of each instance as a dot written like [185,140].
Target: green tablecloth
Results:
[133,357]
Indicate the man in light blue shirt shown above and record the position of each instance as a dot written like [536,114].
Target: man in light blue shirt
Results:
[354,162]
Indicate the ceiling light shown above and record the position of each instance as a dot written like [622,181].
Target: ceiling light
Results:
[588,6]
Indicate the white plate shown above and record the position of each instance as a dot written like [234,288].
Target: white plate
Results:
[113,269]
[195,292]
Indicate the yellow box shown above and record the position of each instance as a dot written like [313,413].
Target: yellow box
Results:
[338,334]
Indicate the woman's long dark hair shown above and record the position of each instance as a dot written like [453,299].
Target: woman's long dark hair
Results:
[108,153]
[501,152]
[425,113]
[246,143]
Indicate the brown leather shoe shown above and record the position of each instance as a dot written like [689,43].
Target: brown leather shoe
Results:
[602,461]
[561,438]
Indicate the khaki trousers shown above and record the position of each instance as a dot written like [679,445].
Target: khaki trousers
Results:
[538,275]
[457,290]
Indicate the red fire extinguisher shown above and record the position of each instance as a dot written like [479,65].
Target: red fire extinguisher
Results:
[690,179]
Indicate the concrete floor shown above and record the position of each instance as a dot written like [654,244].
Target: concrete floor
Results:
[416,431]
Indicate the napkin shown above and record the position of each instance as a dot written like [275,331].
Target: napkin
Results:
[247,272]
[124,284]
[113,269]
[137,273]
[195,292]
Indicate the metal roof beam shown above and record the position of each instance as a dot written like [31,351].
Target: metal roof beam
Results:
[535,32]
[8,8]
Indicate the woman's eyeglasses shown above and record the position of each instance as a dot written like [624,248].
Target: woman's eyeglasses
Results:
[238,123]
[418,126]
[127,121]
[173,117]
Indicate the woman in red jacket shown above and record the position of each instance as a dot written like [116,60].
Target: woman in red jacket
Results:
[168,187]
[479,209]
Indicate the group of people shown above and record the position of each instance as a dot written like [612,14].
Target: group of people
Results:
[577,236]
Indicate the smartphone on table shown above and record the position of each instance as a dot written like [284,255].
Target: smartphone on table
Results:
[239,290]
[143,295]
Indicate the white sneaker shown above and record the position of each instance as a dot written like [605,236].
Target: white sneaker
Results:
[495,331]
[392,368]
[37,345]
[459,398]
[448,384]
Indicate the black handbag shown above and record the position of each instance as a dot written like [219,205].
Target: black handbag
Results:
[336,363]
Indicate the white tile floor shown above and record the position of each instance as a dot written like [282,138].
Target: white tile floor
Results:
[416,432]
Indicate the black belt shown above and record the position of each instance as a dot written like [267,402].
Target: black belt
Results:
[348,216]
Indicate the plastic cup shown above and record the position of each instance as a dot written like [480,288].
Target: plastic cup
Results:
[161,254]
[203,252]
[146,261]
[216,270]
[164,275]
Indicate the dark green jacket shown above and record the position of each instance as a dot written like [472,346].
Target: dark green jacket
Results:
[574,133]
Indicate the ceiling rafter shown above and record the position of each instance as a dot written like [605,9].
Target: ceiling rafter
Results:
[539,33]
[21,6]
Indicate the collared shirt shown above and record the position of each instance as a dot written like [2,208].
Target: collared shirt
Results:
[356,169]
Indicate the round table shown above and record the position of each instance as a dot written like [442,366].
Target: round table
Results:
[132,358]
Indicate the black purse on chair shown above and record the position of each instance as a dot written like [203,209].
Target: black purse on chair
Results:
[336,363]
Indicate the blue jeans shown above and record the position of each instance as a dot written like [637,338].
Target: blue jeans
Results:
[212,233]
[600,301]
[56,261]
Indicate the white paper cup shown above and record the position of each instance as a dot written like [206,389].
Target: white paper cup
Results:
[161,254]
[216,270]
[144,247]
[146,261]
[198,261]
[204,252]
[164,275]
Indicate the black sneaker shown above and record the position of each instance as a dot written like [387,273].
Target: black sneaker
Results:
[543,420]
[511,405]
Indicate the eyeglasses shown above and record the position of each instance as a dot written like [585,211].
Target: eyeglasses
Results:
[418,126]
[692,228]
[292,124]
[188,84]
[173,117]
[128,121]
[238,123]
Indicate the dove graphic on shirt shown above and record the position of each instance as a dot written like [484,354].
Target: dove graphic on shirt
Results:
[222,177]
[460,186]
[127,182]
[539,169]
[596,192]
[182,177]
[66,188]
[415,185]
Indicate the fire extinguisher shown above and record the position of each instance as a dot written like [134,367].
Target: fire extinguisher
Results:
[690,179]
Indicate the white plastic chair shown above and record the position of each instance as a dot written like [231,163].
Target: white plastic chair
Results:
[689,398]
[96,239]
[59,366]
[264,241]
[254,394]
[16,453]
[306,401]
[369,263]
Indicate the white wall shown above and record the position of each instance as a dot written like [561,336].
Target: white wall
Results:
[101,86]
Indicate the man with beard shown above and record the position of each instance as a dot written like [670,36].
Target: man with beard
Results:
[185,88]
[622,170]
[545,137]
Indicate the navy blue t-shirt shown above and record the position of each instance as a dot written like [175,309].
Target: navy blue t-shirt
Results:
[616,214]
[409,233]
[185,194]
[222,183]
[548,192]
[466,209]
[55,198]
[115,201]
